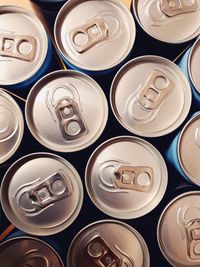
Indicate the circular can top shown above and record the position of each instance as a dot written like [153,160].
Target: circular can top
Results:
[189,149]
[163,19]
[126,177]
[41,194]
[193,65]
[24,45]
[178,230]
[11,126]
[150,96]
[101,244]
[28,251]
[95,35]
[74,111]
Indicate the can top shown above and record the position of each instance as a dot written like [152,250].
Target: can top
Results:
[179,230]
[71,119]
[37,187]
[95,35]
[24,45]
[189,149]
[126,177]
[101,244]
[28,251]
[150,96]
[163,19]
[193,65]
[11,126]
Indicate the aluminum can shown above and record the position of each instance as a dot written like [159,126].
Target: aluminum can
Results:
[126,177]
[101,244]
[41,194]
[11,126]
[178,230]
[25,49]
[150,96]
[28,251]
[174,21]
[96,41]
[184,151]
[74,109]
[189,63]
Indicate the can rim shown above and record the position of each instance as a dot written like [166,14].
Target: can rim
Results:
[96,69]
[140,238]
[138,132]
[101,128]
[45,48]
[134,2]
[154,202]
[191,120]
[193,48]
[166,256]
[63,225]
[21,127]
[34,239]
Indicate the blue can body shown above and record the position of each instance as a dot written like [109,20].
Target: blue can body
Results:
[172,153]
[184,65]
[41,72]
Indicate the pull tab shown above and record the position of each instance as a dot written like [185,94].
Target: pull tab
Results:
[89,34]
[70,119]
[193,238]
[155,90]
[21,47]
[134,178]
[40,195]
[100,254]
[175,7]
[34,259]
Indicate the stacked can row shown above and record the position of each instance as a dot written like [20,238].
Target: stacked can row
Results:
[67,111]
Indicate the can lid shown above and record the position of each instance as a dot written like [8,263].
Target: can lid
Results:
[189,149]
[28,251]
[163,19]
[193,65]
[150,96]
[24,45]
[178,230]
[37,187]
[101,244]
[67,101]
[95,35]
[11,126]
[126,177]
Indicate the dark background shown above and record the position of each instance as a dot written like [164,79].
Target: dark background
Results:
[147,224]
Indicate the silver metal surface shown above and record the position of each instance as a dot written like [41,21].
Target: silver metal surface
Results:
[178,230]
[41,194]
[28,252]
[11,126]
[189,149]
[171,21]
[126,177]
[94,35]
[23,45]
[150,96]
[101,244]
[193,65]
[74,111]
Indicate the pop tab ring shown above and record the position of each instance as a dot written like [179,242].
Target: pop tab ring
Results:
[68,111]
[147,101]
[124,178]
